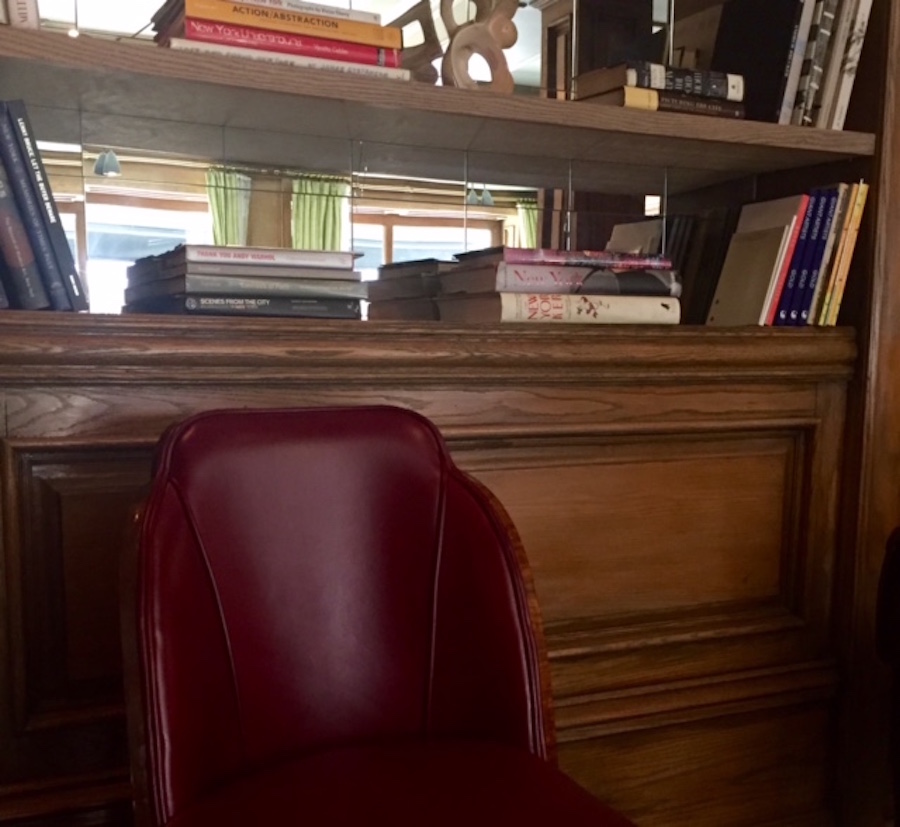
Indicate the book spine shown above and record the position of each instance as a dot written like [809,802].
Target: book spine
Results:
[805,301]
[251,255]
[40,183]
[840,281]
[774,295]
[850,63]
[790,284]
[696,105]
[805,69]
[36,203]
[795,61]
[828,257]
[821,317]
[23,14]
[322,11]
[704,82]
[813,250]
[312,308]
[824,100]
[532,278]
[294,60]
[285,20]
[293,44]
[813,80]
[24,276]
[585,258]
[32,212]
[577,308]
[4,280]
[255,287]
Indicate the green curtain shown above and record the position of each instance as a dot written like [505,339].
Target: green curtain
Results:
[320,212]
[229,202]
[527,212]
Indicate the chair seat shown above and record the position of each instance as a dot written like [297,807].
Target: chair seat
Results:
[427,784]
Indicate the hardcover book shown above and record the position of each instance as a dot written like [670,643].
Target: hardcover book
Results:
[25,285]
[841,269]
[246,53]
[294,44]
[799,313]
[32,212]
[841,210]
[40,182]
[591,258]
[310,307]
[219,254]
[169,22]
[572,308]
[548,278]
[255,286]
[646,75]
[632,97]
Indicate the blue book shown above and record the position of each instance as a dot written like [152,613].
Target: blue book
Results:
[810,256]
[782,315]
[800,309]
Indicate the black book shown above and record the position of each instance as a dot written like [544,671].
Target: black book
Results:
[40,184]
[25,285]
[307,307]
[756,39]
[4,280]
[31,211]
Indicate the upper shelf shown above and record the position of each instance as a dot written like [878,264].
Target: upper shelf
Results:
[135,96]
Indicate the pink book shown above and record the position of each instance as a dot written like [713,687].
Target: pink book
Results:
[229,34]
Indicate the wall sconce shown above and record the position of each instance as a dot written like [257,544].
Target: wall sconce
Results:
[107,164]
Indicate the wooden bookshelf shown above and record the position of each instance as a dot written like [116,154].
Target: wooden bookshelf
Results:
[137,96]
[707,553]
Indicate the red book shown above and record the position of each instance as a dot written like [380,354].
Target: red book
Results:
[292,44]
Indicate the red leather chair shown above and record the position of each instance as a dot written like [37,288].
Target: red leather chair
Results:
[327,623]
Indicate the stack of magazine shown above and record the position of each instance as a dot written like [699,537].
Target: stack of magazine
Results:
[246,281]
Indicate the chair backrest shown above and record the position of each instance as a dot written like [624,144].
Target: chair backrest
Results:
[301,579]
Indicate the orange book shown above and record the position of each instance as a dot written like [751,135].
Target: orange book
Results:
[284,20]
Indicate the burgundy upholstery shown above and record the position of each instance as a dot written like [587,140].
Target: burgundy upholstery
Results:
[324,615]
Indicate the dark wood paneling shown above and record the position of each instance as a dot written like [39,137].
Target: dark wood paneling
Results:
[676,495]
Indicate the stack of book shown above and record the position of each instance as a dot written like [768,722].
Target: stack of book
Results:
[37,269]
[782,61]
[509,284]
[246,281]
[640,84]
[406,290]
[284,31]
[789,258]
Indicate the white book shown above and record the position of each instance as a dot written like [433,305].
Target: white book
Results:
[23,14]
[796,63]
[302,7]
[183,45]
[803,85]
[849,64]
[824,100]
[820,55]
[4,17]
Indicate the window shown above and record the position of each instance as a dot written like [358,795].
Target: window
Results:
[117,234]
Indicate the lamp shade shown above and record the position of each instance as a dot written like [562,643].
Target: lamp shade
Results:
[107,164]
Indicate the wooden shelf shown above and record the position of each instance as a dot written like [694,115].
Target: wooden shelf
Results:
[35,347]
[135,96]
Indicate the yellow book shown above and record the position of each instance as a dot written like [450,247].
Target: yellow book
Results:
[832,303]
[283,20]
